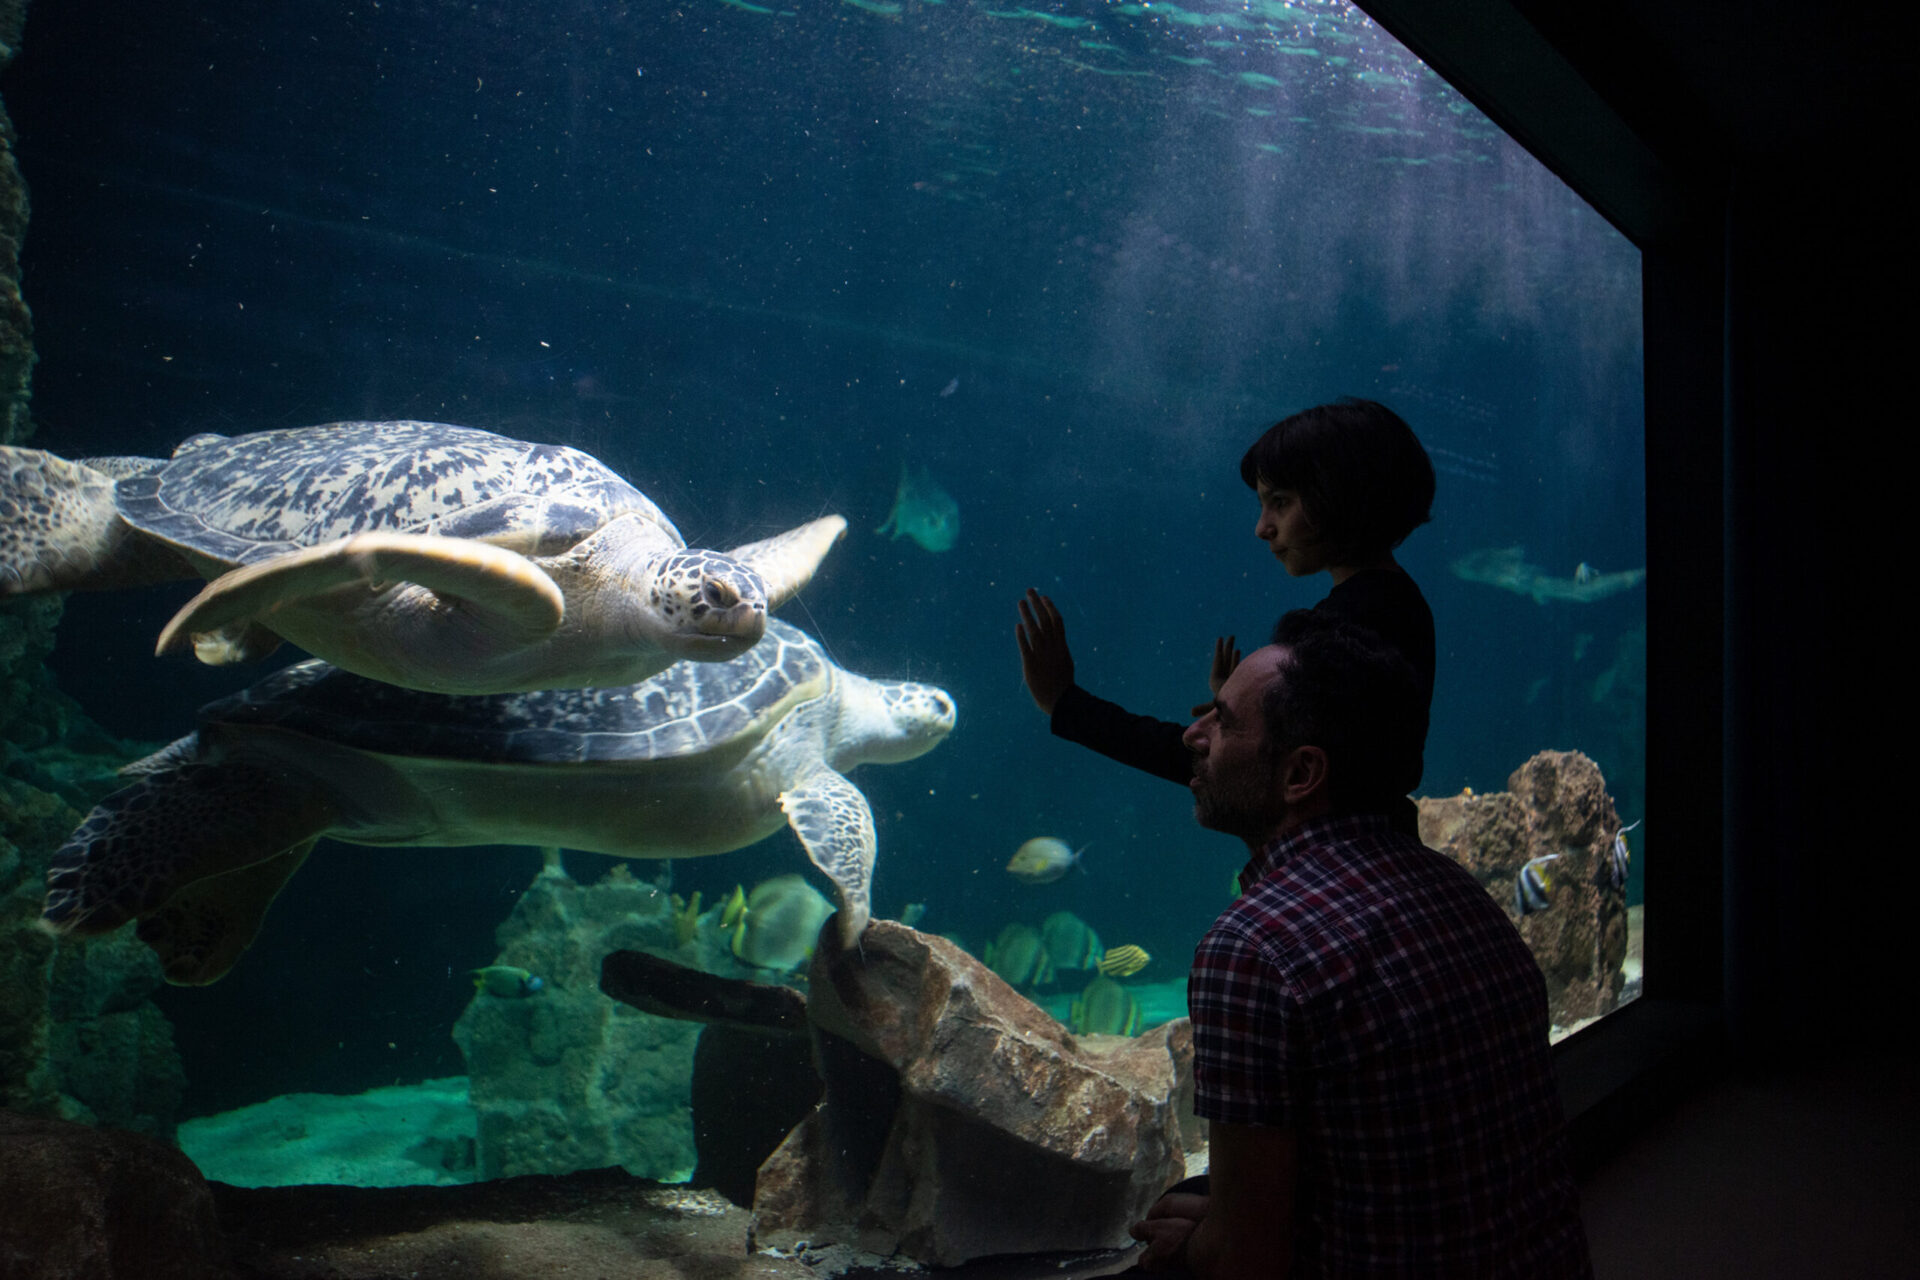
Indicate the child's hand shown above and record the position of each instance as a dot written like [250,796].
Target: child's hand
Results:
[1045,661]
[1225,659]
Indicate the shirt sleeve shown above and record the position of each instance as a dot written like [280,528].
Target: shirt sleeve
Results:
[1246,1032]
[1153,746]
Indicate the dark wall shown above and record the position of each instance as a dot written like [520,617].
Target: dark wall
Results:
[1749,150]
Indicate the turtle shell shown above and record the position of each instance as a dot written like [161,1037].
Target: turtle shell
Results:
[242,499]
[689,708]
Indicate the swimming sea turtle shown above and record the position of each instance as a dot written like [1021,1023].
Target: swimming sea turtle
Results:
[701,759]
[426,555]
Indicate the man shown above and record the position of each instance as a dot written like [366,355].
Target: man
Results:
[1370,1033]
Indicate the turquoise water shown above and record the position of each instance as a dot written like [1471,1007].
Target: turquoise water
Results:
[1058,264]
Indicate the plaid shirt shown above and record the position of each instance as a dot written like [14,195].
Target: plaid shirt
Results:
[1368,994]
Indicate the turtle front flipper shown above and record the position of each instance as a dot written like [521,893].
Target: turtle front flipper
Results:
[144,843]
[201,931]
[833,821]
[787,561]
[60,530]
[523,604]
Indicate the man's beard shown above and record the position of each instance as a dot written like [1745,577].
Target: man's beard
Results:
[1247,810]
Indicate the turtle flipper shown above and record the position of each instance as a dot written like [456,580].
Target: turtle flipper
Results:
[524,601]
[60,531]
[833,821]
[787,560]
[144,843]
[202,929]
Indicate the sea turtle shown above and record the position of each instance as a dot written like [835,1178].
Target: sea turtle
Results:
[421,554]
[701,759]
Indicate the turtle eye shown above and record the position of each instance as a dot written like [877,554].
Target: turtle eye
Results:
[719,593]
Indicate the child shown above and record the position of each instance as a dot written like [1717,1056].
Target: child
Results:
[1340,486]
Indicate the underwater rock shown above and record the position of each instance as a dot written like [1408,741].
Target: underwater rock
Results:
[668,990]
[567,1078]
[1556,805]
[103,1204]
[961,1121]
[79,1037]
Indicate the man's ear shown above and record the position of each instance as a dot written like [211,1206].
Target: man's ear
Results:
[1303,775]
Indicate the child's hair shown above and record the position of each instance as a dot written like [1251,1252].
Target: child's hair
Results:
[1361,473]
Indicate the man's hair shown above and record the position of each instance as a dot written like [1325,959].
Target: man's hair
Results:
[1348,692]
[1361,473]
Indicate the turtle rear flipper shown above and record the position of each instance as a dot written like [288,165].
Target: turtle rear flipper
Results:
[60,530]
[522,600]
[833,821]
[145,843]
[203,929]
[787,561]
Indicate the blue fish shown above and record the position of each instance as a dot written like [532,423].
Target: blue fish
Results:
[1531,886]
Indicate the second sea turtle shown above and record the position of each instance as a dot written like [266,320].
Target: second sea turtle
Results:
[701,759]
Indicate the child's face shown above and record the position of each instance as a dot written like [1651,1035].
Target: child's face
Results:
[1286,528]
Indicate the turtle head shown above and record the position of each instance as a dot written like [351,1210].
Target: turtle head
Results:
[703,605]
[890,721]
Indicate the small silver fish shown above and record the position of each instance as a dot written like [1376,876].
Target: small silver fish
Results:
[1620,860]
[1531,886]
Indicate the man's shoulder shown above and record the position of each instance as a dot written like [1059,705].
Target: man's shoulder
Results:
[1350,894]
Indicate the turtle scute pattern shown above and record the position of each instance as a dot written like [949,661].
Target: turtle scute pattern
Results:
[258,495]
[686,709]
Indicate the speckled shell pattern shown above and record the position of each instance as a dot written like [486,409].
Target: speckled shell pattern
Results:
[247,498]
[687,709]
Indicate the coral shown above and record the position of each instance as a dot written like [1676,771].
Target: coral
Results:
[567,1078]
[1555,804]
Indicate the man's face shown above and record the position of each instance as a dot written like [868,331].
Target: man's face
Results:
[1235,785]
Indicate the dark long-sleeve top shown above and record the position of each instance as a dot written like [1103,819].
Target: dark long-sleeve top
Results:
[1385,601]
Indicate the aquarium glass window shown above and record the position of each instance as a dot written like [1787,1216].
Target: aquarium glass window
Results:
[1009,288]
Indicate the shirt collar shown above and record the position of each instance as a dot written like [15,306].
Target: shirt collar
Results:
[1315,831]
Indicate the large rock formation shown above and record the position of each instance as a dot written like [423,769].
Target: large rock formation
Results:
[960,1121]
[78,1036]
[103,1205]
[16,325]
[1555,804]
[566,1078]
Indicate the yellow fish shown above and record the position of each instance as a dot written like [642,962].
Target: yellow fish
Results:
[1042,860]
[1122,962]
[780,923]
[1105,1008]
[733,908]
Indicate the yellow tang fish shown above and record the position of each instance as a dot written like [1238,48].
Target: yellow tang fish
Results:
[1042,860]
[1123,962]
